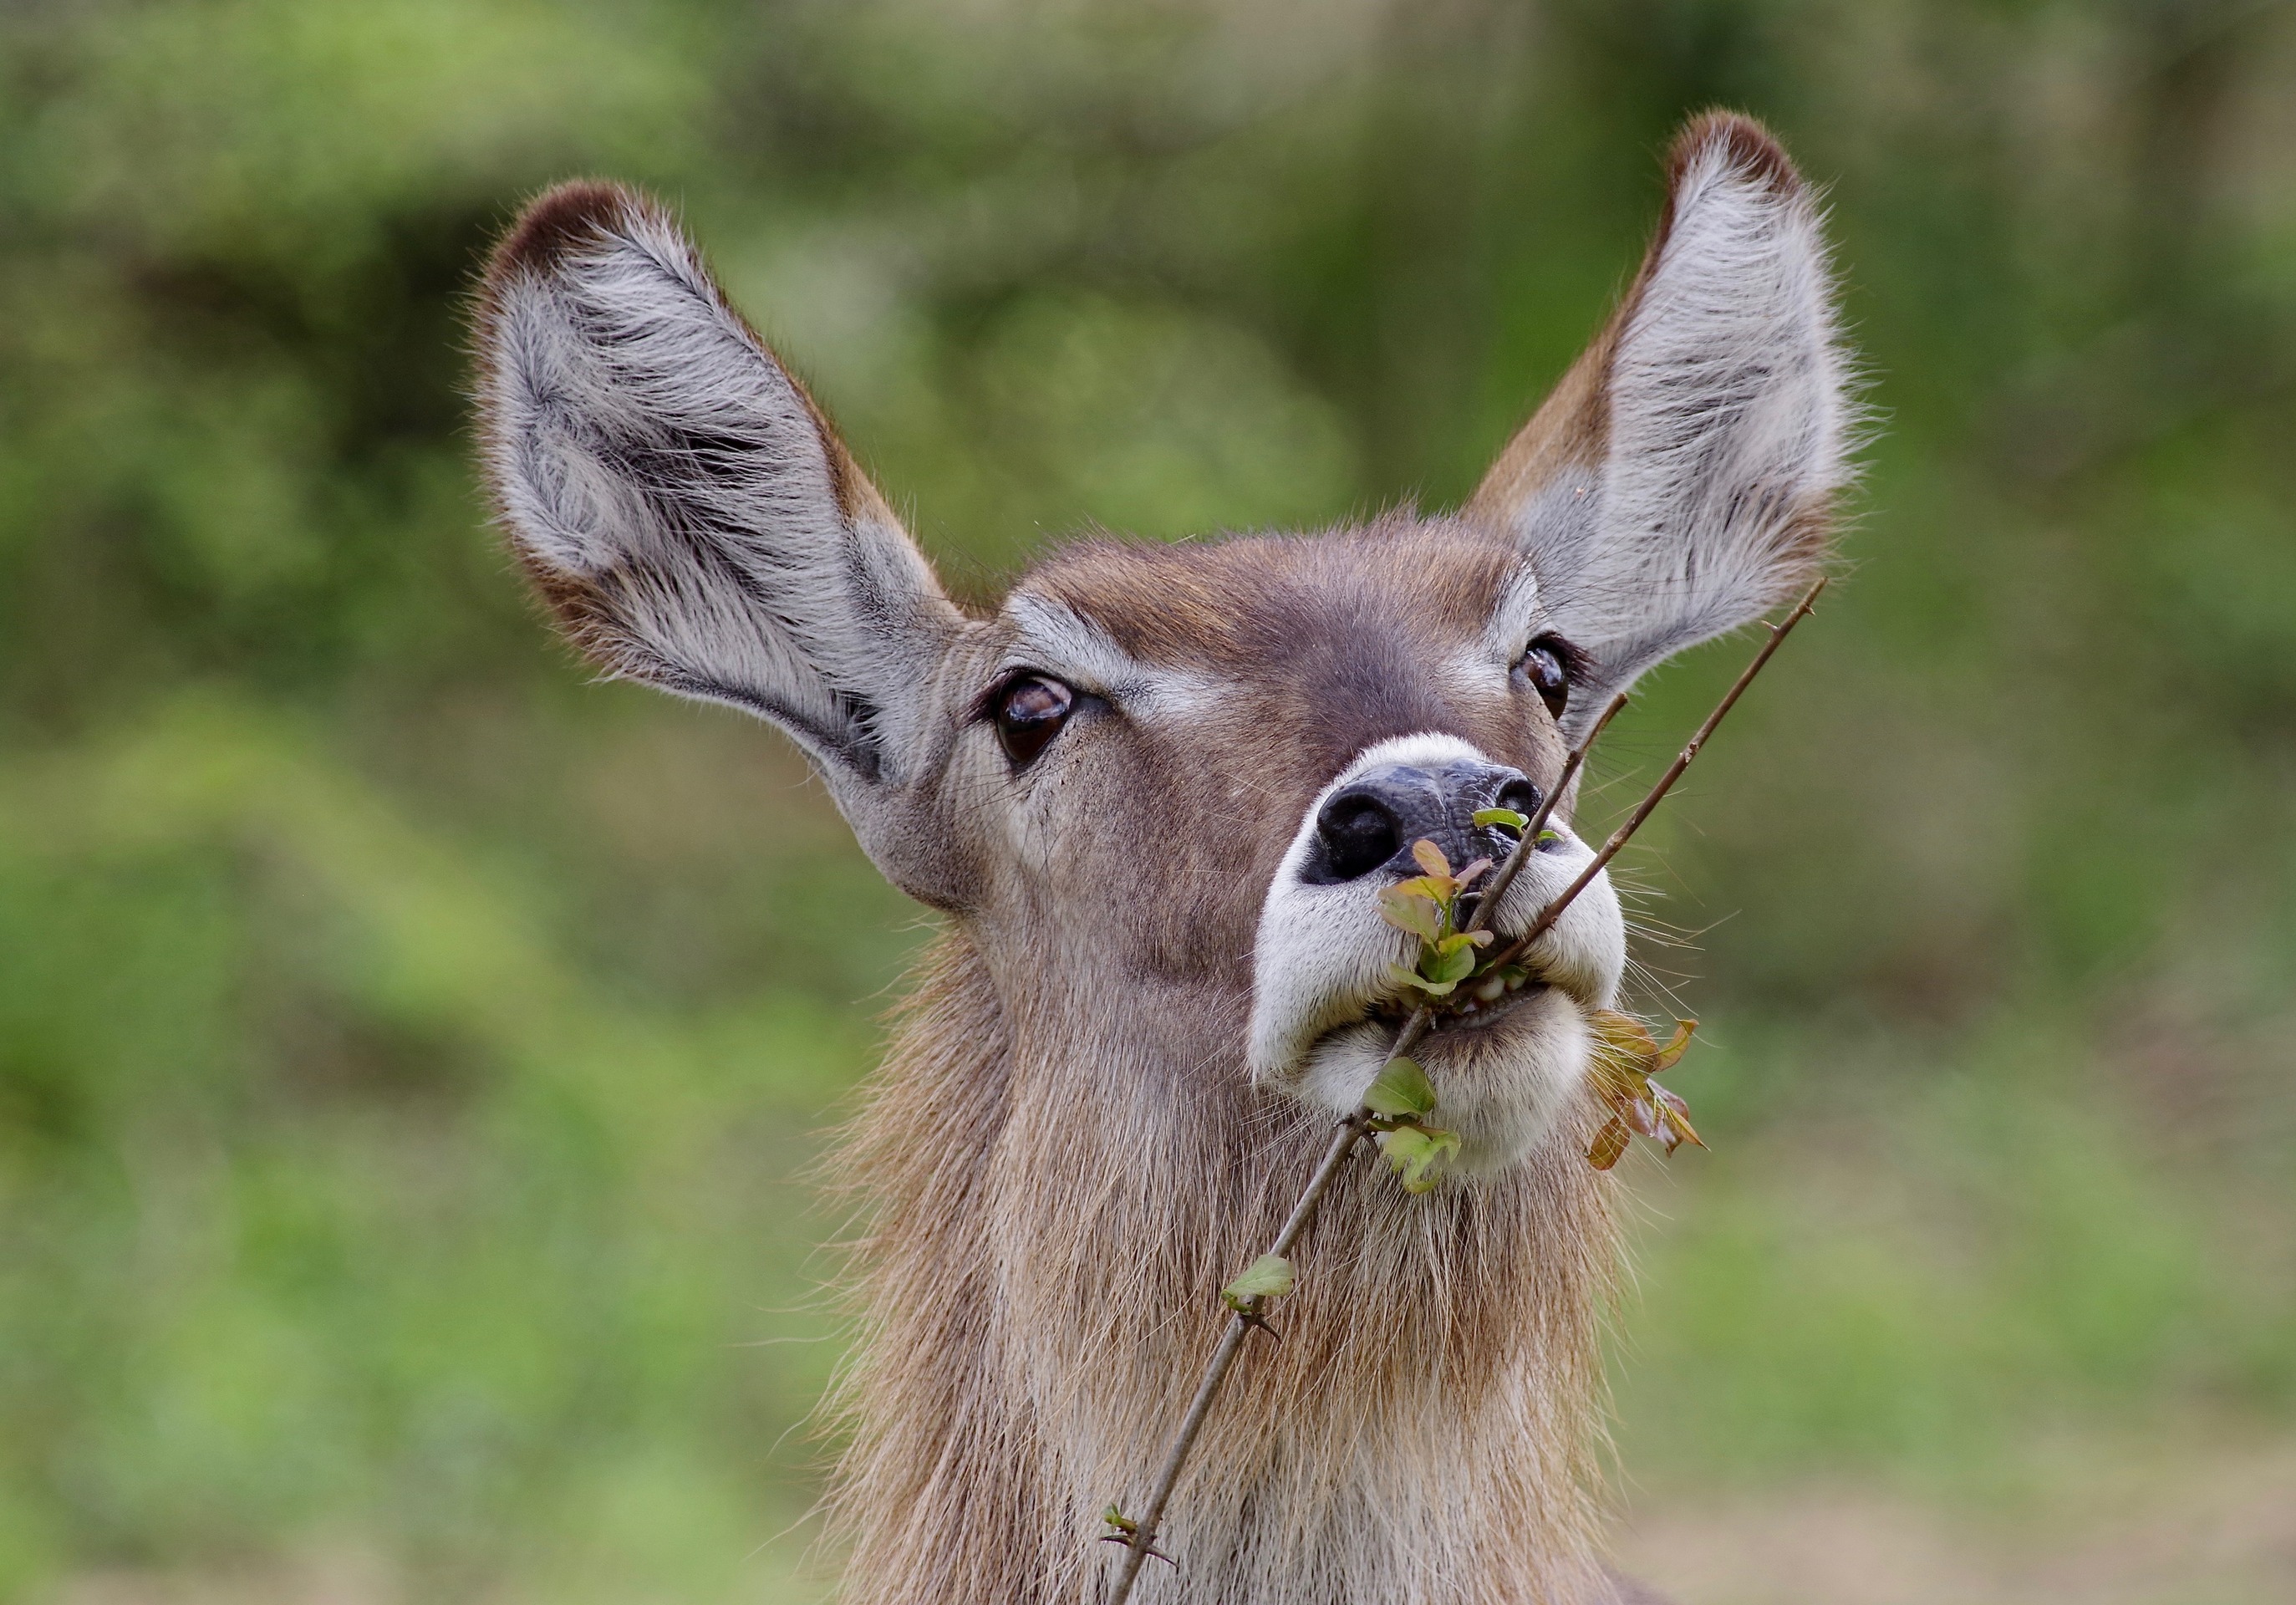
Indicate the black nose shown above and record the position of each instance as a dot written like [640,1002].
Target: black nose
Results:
[1372,822]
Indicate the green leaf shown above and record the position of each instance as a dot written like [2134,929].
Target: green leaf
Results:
[1269,1276]
[1546,837]
[1448,963]
[1119,1520]
[1417,1153]
[1430,858]
[1437,889]
[1409,912]
[1507,817]
[1400,1088]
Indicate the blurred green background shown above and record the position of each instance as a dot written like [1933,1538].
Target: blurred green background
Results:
[409,1051]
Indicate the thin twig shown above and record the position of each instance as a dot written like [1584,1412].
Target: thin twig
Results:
[1344,1138]
[1349,1132]
[1657,795]
[1139,1542]
[1487,904]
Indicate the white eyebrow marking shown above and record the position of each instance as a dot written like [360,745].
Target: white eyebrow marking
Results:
[1058,640]
[1513,614]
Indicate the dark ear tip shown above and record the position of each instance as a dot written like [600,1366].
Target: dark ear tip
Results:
[1744,145]
[559,223]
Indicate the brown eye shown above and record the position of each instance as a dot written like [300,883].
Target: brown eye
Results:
[1546,664]
[1029,713]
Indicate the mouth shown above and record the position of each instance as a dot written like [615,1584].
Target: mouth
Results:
[1507,1048]
[1335,977]
[1478,1008]
[1502,1067]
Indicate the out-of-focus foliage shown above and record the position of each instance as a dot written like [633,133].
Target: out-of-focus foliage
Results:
[407,1049]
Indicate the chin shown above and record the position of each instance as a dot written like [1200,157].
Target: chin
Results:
[1504,1082]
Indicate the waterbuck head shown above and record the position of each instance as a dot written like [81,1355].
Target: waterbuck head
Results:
[1158,790]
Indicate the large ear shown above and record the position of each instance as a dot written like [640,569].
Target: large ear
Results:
[682,504]
[1679,481]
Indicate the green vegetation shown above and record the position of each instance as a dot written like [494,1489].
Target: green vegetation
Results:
[408,1052]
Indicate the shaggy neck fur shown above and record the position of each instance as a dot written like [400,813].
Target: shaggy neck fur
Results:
[1051,1203]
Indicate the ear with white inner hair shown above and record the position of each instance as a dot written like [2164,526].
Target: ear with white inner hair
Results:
[684,508]
[1679,481]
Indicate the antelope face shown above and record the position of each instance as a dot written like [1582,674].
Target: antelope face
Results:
[1163,786]
[1251,736]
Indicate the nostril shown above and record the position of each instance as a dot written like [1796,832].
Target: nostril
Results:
[1520,796]
[1359,833]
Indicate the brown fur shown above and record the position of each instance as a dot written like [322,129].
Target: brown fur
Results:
[1034,1290]
[1067,1156]
[1065,1153]
[1322,647]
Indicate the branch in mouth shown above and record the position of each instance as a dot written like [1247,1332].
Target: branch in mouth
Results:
[1139,1537]
[1474,1010]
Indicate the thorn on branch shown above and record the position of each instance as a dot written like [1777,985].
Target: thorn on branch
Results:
[1129,1535]
[1150,1551]
[1253,1318]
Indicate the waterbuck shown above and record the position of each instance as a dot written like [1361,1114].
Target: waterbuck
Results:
[1154,795]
